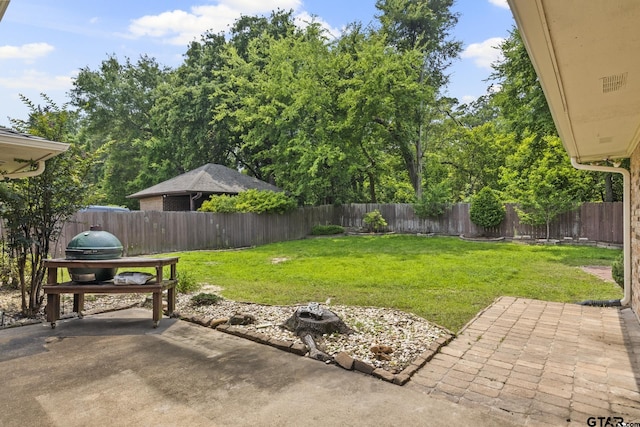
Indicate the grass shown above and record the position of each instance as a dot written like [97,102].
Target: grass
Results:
[442,279]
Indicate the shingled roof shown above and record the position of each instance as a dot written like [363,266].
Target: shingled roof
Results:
[210,178]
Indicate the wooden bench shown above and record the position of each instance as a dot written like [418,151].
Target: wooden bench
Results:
[53,289]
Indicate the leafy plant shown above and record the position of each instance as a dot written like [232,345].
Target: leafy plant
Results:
[319,230]
[617,269]
[220,204]
[255,201]
[205,299]
[374,221]
[486,209]
[186,282]
[434,201]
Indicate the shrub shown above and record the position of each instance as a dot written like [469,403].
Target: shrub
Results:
[205,299]
[255,201]
[617,270]
[219,204]
[434,202]
[486,209]
[374,221]
[319,230]
[264,201]
[186,283]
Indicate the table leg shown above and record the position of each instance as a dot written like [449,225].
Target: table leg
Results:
[53,308]
[78,304]
[171,300]
[157,308]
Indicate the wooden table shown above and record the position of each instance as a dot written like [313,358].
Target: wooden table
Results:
[53,289]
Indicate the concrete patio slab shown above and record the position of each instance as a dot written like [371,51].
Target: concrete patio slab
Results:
[115,369]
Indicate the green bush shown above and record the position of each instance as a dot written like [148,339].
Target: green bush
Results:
[186,282]
[374,221]
[219,204]
[617,269]
[319,230]
[434,202]
[486,209]
[205,299]
[264,201]
[255,201]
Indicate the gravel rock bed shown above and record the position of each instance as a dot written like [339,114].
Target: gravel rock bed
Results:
[407,335]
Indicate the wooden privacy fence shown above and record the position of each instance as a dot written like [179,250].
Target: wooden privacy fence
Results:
[149,232]
[600,222]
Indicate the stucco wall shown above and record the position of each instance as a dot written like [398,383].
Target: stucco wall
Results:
[635,231]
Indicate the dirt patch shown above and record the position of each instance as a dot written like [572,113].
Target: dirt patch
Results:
[600,271]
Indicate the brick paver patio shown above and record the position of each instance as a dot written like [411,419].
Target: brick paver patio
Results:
[545,363]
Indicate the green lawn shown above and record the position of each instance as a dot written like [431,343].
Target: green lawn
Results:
[443,279]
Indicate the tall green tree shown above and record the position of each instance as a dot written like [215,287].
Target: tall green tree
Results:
[377,85]
[35,209]
[425,26]
[115,105]
[520,99]
[185,137]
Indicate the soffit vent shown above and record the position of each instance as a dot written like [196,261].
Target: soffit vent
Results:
[606,140]
[614,83]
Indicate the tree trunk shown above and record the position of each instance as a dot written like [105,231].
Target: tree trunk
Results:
[608,187]
[372,188]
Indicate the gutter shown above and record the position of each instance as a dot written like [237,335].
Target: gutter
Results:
[626,207]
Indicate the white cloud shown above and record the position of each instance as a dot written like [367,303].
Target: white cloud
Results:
[28,51]
[484,53]
[180,27]
[36,80]
[500,3]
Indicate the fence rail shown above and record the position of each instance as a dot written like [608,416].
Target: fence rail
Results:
[149,232]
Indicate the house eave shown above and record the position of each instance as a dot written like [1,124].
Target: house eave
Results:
[584,56]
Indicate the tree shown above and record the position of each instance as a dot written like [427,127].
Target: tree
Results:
[377,84]
[520,99]
[424,26]
[182,114]
[35,209]
[115,105]
[548,186]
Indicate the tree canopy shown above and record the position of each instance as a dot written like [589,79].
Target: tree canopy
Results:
[357,118]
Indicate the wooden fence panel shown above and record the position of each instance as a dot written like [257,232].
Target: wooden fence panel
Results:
[149,232]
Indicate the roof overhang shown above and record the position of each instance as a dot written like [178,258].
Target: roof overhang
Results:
[3,7]
[22,155]
[586,56]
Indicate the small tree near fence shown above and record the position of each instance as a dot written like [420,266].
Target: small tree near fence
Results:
[486,209]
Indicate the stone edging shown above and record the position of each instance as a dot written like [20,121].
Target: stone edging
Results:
[342,359]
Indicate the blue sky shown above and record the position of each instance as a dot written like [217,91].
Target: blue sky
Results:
[43,43]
